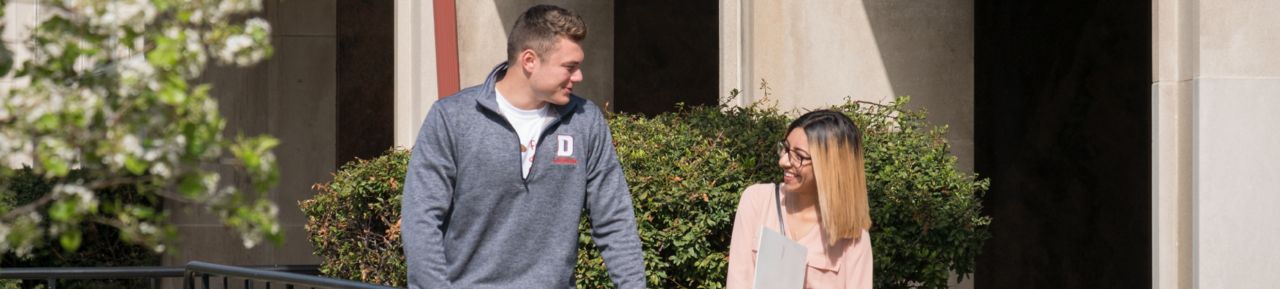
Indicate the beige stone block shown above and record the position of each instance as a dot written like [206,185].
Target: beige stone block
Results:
[1174,40]
[927,50]
[216,244]
[181,214]
[1237,38]
[815,54]
[243,99]
[304,17]
[303,118]
[1234,180]
[297,249]
[242,96]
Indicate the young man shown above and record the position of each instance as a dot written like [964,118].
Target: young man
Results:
[501,172]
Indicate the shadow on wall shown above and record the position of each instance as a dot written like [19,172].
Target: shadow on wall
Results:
[927,50]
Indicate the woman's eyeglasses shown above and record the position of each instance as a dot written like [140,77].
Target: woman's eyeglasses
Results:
[794,158]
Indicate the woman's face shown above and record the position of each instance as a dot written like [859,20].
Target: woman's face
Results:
[797,164]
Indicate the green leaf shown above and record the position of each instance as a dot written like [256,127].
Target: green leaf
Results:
[70,240]
[54,166]
[6,58]
[62,211]
[192,185]
[134,165]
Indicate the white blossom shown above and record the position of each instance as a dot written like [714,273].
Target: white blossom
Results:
[233,46]
[161,170]
[231,7]
[4,237]
[86,197]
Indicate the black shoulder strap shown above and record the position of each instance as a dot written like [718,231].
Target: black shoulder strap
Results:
[777,202]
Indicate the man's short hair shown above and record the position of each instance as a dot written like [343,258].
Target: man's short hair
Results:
[539,27]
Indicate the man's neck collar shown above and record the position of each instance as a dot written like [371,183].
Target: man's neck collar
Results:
[516,91]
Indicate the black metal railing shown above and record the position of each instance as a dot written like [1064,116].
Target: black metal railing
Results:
[196,275]
[51,275]
[203,271]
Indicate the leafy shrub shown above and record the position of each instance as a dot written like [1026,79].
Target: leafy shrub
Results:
[354,220]
[926,214]
[687,170]
[101,245]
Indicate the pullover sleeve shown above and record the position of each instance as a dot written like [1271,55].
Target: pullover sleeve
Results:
[428,191]
[611,213]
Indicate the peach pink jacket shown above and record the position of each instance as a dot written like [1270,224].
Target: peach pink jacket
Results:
[847,264]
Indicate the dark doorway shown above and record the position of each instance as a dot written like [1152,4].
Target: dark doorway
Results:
[366,71]
[1063,129]
[665,52]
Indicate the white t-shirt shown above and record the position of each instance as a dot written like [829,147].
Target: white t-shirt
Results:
[529,125]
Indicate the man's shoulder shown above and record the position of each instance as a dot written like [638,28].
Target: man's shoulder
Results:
[462,97]
[585,107]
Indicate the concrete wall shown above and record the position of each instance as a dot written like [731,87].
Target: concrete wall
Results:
[292,97]
[816,54]
[1235,97]
[482,41]
[1217,88]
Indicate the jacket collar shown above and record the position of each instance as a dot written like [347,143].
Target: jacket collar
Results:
[487,99]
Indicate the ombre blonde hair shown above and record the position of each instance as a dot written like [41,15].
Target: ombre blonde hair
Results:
[835,144]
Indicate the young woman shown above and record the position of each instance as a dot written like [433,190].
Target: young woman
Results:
[823,202]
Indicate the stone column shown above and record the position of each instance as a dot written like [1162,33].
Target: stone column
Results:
[416,86]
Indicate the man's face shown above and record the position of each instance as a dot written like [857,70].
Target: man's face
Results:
[553,76]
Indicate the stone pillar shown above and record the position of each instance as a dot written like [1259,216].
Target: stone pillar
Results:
[1171,144]
[415,68]
[1216,94]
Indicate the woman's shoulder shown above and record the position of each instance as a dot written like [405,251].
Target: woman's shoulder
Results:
[758,191]
[756,194]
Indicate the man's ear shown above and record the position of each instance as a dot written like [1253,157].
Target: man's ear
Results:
[528,59]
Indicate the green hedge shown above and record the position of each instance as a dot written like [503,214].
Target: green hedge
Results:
[354,220]
[101,245]
[687,170]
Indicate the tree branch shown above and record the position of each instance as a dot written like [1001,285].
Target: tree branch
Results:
[50,197]
[28,208]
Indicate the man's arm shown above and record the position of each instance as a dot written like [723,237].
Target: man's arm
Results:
[613,219]
[428,191]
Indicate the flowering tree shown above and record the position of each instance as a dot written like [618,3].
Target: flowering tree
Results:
[108,92]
